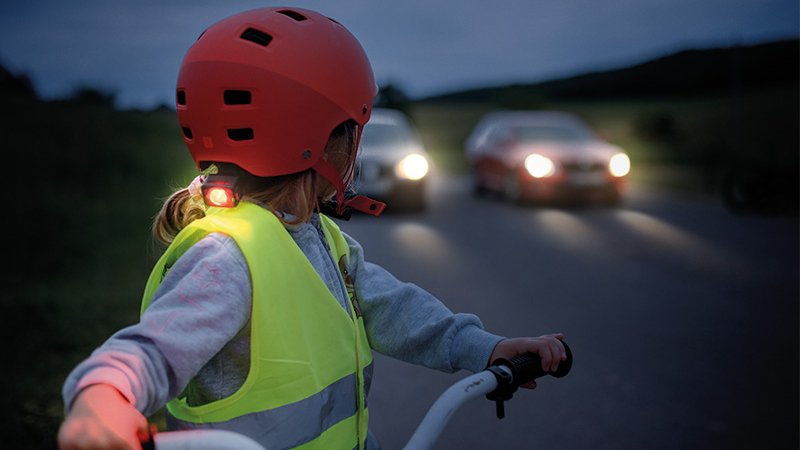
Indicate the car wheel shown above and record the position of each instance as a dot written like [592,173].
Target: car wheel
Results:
[478,188]
[512,189]
[613,199]
[745,190]
[408,198]
[415,204]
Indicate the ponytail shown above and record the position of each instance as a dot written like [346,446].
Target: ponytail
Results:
[179,210]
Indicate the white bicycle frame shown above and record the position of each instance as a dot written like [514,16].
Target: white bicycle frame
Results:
[424,437]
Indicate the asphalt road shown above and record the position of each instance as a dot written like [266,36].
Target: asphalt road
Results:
[683,319]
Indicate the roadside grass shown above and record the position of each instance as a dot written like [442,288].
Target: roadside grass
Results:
[83,183]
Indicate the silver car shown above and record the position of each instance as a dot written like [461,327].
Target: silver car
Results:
[393,164]
[544,156]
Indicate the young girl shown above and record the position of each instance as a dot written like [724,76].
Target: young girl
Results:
[261,315]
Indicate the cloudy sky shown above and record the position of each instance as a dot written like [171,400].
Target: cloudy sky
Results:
[134,47]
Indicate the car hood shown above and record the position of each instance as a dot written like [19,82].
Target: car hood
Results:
[388,154]
[583,151]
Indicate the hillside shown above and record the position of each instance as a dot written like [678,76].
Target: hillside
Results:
[685,73]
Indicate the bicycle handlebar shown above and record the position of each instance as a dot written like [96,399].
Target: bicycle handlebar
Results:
[498,382]
[528,367]
[513,373]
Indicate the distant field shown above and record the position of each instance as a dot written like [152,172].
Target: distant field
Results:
[697,135]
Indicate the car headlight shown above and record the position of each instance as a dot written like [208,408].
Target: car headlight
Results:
[619,165]
[539,166]
[412,167]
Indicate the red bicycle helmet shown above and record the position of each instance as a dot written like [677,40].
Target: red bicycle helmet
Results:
[263,90]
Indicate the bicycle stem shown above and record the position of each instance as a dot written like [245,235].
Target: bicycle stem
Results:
[448,403]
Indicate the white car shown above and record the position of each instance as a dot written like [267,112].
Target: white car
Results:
[544,156]
[393,165]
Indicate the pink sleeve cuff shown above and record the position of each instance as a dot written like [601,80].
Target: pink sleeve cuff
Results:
[112,377]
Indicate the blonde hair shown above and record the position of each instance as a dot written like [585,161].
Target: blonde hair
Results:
[298,194]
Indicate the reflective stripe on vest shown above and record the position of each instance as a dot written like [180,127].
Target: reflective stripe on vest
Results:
[271,430]
[308,355]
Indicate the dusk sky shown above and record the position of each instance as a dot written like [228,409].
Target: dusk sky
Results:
[134,48]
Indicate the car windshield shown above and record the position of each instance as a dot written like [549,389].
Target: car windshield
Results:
[383,134]
[532,133]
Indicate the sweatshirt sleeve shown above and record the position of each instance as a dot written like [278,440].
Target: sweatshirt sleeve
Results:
[406,322]
[201,304]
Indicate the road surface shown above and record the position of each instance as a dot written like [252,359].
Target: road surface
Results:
[683,319]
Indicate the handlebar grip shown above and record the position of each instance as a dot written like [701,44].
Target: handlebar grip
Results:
[528,367]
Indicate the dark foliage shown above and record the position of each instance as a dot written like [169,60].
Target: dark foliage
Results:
[18,85]
[681,74]
[392,96]
[82,182]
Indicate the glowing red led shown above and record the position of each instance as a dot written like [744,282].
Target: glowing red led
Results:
[220,197]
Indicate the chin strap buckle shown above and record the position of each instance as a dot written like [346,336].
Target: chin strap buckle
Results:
[359,203]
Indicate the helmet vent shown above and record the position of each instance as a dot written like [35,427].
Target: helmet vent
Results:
[293,14]
[257,36]
[237,97]
[187,133]
[180,97]
[240,134]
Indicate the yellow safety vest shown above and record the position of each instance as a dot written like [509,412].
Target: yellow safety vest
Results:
[309,357]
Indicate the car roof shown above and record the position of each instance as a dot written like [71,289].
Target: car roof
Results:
[523,117]
[387,116]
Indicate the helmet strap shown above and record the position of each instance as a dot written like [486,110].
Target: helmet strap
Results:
[359,203]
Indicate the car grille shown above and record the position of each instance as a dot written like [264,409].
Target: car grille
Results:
[583,167]
[370,170]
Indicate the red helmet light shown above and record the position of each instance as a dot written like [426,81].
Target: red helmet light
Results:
[220,191]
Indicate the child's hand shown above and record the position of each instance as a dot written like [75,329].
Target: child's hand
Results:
[548,347]
[101,418]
